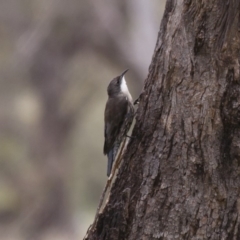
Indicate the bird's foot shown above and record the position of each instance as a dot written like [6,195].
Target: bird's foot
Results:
[136,101]
[131,137]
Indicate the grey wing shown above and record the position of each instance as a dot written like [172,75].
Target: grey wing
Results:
[115,113]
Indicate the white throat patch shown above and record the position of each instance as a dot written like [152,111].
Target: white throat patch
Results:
[124,88]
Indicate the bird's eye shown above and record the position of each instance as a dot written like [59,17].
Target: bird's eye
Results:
[118,81]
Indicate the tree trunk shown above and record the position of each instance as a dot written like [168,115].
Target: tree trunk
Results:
[179,177]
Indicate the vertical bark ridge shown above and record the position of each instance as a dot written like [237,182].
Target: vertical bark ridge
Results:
[182,168]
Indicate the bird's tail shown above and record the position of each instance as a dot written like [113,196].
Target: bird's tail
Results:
[110,162]
[111,157]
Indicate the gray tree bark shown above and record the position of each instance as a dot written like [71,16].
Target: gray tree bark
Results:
[179,177]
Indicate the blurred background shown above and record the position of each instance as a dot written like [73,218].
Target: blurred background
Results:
[56,60]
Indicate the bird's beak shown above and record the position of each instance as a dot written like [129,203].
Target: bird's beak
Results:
[123,73]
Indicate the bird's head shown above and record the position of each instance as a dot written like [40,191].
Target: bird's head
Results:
[118,85]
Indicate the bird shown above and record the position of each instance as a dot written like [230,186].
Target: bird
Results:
[118,117]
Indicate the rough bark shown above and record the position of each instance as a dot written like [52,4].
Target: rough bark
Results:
[179,177]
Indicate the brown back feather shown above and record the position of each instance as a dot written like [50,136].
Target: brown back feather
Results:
[115,112]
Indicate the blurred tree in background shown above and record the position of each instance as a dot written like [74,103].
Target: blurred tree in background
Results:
[57,58]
